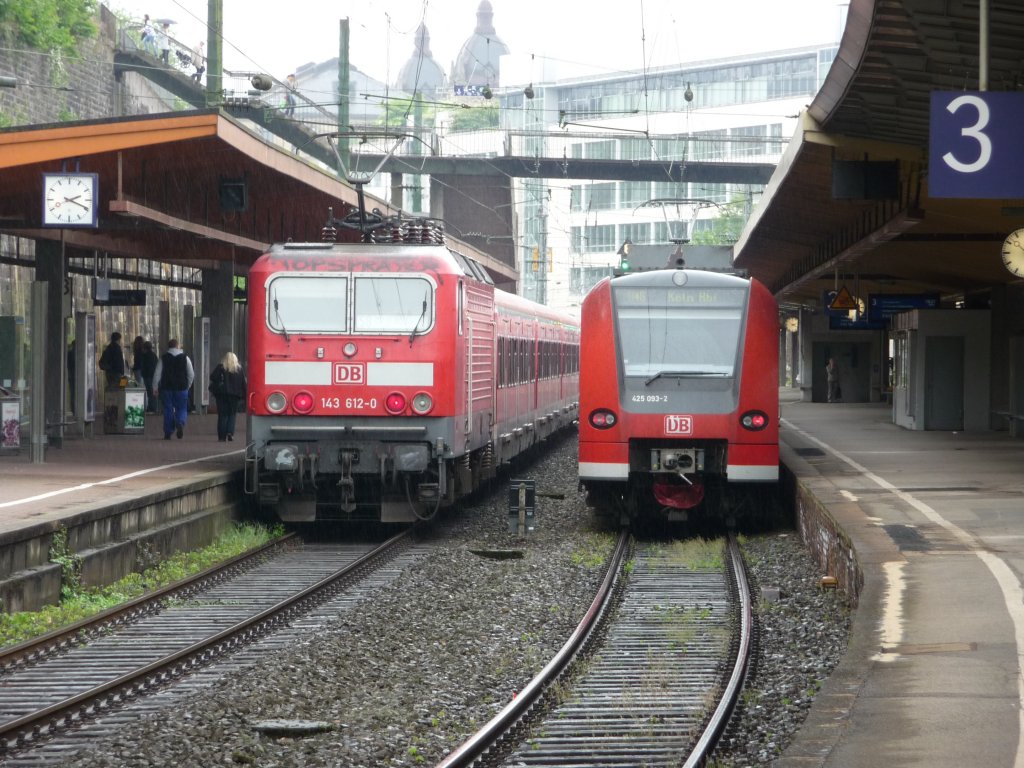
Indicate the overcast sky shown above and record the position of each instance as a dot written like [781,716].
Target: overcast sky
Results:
[578,36]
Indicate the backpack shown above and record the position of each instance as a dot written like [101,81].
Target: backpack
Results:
[219,381]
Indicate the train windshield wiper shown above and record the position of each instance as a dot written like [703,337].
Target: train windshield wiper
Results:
[416,327]
[280,319]
[682,375]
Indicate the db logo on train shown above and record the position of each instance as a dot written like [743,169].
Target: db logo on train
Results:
[678,425]
[345,373]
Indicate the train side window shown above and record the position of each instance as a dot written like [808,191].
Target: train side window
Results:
[520,361]
[501,361]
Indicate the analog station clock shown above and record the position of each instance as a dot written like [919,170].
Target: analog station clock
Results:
[1013,253]
[70,199]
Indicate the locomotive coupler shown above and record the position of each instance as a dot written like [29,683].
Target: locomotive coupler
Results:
[346,484]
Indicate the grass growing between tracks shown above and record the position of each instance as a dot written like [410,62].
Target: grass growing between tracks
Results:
[78,602]
[693,554]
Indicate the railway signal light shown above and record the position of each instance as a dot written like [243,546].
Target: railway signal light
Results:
[624,256]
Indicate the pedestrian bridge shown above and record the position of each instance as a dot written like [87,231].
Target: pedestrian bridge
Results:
[312,129]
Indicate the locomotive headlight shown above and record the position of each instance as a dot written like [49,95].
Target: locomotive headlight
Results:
[422,403]
[755,421]
[603,419]
[303,402]
[276,402]
[349,349]
[395,402]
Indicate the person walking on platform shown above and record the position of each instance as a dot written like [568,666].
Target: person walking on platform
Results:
[146,365]
[172,380]
[137,359]
[112,361]
[832,379]
[228,386]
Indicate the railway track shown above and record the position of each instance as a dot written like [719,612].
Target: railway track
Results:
[87,674]
[658,690]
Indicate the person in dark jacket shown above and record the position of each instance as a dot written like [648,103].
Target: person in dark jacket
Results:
[112,361]
[171,381]
[228,386]
[146,367]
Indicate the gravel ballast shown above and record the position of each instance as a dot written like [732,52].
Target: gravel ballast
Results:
[405,677]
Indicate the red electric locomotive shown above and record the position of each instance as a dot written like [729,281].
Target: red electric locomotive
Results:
[388,379]
[679,398]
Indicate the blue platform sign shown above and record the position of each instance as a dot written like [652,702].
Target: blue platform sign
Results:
[975,147]
[845,319]
[882,306]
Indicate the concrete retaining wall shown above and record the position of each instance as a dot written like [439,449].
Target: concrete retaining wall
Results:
[822,535]
[113,541]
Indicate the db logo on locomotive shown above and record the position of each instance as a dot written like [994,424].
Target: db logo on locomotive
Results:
[678,425]
[349,373]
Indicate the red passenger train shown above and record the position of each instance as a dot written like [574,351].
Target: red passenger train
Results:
[679,393]
[388,379]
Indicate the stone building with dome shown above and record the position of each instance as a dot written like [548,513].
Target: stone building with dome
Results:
[421,73]
[479,59]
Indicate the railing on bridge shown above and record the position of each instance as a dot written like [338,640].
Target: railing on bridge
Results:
[318,119]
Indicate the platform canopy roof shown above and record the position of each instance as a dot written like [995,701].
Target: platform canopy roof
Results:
[875,106]
[169,188]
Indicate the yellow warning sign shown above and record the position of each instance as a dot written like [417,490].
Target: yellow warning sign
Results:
[843,300]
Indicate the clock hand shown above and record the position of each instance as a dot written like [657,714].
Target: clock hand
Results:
[75,201]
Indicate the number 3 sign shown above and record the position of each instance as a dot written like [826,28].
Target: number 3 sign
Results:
[975,148]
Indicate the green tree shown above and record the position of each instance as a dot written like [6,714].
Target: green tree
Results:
[399,113]
[726,227]
[480,118]
[48,25]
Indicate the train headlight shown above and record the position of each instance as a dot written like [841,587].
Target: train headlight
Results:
[395,402]
[349,349]
[422,403]
[303,402]
[276,402]
[603,419]
[755,421]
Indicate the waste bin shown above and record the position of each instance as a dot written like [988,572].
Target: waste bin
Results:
[10,423]
[124,411]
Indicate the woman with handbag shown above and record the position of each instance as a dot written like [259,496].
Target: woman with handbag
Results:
[228,386]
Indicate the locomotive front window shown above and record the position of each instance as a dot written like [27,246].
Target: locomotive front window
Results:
[393,305]
[695,335]
[307,305]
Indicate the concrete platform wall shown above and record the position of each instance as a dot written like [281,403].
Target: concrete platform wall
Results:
[112,541]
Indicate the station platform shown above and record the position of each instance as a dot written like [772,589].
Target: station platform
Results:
[105,470]
[932,675]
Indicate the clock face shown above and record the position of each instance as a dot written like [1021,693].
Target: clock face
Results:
[69,199]
[1013,253]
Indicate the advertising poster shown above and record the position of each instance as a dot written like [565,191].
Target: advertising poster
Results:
[10,420]
[135,409]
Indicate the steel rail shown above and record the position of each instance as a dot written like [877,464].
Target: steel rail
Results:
[478,744]
[730,695]
[59,639]
[28,728]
